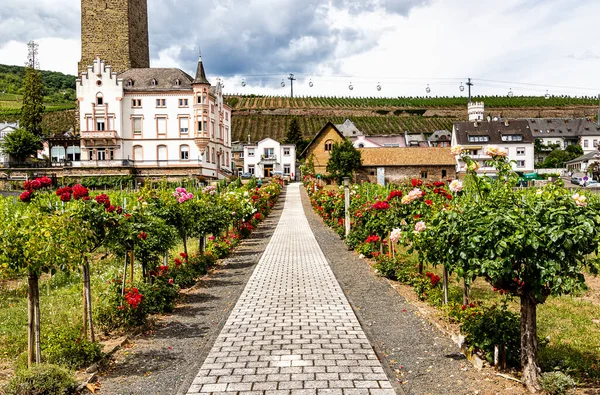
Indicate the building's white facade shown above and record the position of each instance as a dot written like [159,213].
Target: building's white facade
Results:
[268,156]
[6,128]
[514,137]
[153,118]
[475,110]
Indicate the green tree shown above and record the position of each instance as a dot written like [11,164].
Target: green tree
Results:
[343,161]
[294,135]
[20,144]
[532,243]
[33,102]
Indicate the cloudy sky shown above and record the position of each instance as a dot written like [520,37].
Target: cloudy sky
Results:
[529,46]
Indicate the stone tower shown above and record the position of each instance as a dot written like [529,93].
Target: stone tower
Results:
[117,31]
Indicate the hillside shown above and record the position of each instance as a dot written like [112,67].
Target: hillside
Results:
[268,116]
[59,90]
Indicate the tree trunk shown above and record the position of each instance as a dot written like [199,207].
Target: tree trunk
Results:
[87,290]
[185,245]
[465,292]
[529,345]
[131,260]
[445,285]
[84,330]
[33,318]
[201,244]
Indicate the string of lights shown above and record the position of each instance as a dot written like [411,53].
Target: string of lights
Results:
[429,84]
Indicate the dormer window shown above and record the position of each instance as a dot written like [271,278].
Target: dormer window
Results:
[129,83]
[177,82]
[154,82]
[478,139]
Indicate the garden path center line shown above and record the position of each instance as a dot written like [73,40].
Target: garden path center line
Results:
[292,331]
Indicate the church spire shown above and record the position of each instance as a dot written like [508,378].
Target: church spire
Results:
[200,74]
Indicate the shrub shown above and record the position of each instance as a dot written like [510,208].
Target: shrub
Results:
[115,312]
[41,379]
[387,266]
[557,383]
[66,347]
[160,296]
[491,326]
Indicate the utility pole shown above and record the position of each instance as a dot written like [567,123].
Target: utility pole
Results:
[32,58]
[469,85]
[292,79]
[599,110]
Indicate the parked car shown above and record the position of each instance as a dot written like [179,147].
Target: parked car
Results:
[575,180]
[247,175]
[592,184]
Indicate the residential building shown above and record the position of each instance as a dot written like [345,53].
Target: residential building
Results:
[268,157]
[349,129]
[514,136]
[6,128]
[582,163]
[319,148]
[395,165]
[154,117]
[378,141]
[564,132]
[237,157]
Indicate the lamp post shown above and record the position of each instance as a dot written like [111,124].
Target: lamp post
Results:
[347,204]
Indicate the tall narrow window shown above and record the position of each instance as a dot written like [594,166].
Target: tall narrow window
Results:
[161,151]
[213,155]
[184,151]
[137,126]
[99,99]
[100,124]
[161,125]
[328,145]
[138,153]
[183,125]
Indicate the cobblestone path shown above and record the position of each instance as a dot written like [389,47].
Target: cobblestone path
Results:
[292,331]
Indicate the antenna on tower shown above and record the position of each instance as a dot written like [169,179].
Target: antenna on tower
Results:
[32,55]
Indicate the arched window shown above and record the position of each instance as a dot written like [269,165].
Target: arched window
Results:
[129,83]
[213,155]
[177,82]
[161,151]
[184,152]
[328,145]
[99,99]
[154,82]
[138,153]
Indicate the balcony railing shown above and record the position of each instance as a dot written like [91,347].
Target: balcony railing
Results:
[99,134]
[268,158]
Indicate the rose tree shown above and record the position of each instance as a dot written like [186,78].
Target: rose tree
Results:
[530,243]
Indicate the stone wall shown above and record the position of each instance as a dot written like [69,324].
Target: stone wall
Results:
[398,174]
[117,30]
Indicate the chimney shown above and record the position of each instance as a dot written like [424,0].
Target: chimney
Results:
[249,138]
[506,122]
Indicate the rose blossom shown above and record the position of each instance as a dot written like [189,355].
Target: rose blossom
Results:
[494,150]
[396,234]
[457,150]
[420,226]
[456,186]
[580,200]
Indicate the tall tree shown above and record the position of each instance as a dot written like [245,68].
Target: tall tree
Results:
[20,144]
[343,161]
[294,135]
[33,102]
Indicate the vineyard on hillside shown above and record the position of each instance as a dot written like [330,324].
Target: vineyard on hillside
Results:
[276,126]
[255,102]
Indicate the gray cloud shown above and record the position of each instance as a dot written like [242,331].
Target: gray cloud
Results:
[263,36]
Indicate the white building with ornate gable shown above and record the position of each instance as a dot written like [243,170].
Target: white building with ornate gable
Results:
[153,118]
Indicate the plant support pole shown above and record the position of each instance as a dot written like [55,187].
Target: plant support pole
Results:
[445,284]
[347,205]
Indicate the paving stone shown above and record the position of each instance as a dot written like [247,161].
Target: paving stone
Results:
[292,330]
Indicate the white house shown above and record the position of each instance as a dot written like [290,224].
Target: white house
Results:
[6,128]
[566,131]
[153,117]
[513,136]
[268,156]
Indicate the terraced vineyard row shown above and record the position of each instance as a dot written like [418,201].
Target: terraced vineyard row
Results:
[272,102]
[276,126]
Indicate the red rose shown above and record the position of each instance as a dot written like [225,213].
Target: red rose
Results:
[178,262]
[80,192]
[438,184]
[65,197]
[428,202]
[416,183]
[26,196]
[110,209]
[63,190]
[103,199]
[142,235]
[119,210]
[45,181]
[449,197]
[183,255]
[436,190]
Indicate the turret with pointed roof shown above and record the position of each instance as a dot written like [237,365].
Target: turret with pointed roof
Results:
[200,74]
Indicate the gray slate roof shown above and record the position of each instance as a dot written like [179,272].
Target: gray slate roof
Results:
[586,158]
[563,127]
[349,129]
[165,79]
[200,74]
[493,129]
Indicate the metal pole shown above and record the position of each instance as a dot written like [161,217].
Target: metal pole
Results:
[347,204]
[292,79]
[469,85]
